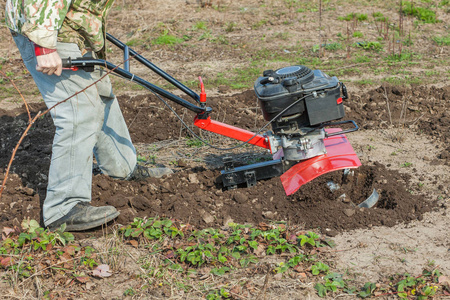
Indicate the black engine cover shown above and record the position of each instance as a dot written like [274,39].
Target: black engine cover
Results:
[281,88]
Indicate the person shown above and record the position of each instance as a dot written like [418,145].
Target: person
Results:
[90,123]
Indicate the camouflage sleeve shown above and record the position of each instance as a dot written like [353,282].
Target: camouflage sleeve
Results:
[43,20]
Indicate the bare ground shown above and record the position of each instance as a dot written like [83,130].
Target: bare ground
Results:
[401,106]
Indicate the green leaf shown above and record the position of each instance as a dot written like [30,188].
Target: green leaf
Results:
[222,259]
[167,223]
[253,244]
[137,232]
[321,290]
[128,232]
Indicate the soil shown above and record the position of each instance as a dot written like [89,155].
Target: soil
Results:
[195,194]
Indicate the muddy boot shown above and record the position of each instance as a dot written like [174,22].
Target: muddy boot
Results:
[141,172]
[83,216]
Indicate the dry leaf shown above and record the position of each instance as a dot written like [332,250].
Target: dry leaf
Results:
[444,280]
[7,231]
[69,250]
[5,262]
[260,250]
[298,269]
[102,271]
[170,254]
[89,285]
[82,278]
[236,290]
[134,243]
[263,226]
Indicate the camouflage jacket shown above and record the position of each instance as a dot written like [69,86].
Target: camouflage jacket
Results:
[71,21]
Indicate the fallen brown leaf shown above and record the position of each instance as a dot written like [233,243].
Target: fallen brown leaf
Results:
[102,271]
[444,280]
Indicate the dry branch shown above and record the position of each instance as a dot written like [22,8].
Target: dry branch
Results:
[17,89]
[40,114]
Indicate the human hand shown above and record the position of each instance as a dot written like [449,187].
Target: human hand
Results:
[49,64]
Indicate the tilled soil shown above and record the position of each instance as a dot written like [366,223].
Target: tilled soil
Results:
[194,193]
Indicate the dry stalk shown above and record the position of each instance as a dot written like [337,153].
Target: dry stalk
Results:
[181,124]
[320,29]
[387,104]
[23,99]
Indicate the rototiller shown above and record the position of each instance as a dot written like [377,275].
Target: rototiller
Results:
[299,103]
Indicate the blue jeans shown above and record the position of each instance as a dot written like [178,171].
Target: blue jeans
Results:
[88,124]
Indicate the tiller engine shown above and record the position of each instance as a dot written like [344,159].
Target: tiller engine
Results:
[299,103]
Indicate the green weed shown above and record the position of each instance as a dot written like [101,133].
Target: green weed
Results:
[200,25]
[372,46]
[442,40]
[353,16]
[358,34]
[379,17]
[194,142]
[365,82]
[230,26]
[423,14]
[166,39]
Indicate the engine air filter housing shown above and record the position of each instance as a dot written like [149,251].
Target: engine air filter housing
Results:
[279,89]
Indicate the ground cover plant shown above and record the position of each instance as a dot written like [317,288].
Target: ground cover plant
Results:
[183,236]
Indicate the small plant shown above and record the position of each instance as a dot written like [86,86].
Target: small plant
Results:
[406,165]
[319,268]
[310,238]
[200,25]
[218,295]
[333,281]
[129,292]
[353,16]
[423,14]
[358,34]
[230,26]
[194,142]
[442,40]
[372,46]
[166,39]
[367,290]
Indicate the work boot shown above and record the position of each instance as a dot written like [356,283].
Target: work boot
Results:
[141,173]
[83,216]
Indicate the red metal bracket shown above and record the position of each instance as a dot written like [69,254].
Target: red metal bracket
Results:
[232,132]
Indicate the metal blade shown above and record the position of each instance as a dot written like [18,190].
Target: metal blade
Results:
[371,201]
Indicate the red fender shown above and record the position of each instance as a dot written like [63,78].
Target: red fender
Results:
[340,155]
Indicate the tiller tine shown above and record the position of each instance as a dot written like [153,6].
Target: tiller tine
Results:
[340,155]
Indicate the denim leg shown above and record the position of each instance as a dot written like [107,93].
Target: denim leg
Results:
[115,154]
[79,125]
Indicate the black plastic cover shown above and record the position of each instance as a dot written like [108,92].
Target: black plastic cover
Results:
[275,93]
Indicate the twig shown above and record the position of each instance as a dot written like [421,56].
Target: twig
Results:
[26,104]
[2,187]
[266,283]
[14,152]
[387,104]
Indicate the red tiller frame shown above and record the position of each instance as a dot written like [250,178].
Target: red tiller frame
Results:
[232,132]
